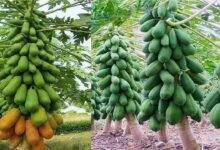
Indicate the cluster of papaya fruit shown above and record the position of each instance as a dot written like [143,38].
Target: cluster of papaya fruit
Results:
[27,77]
[172,76]
[95,99]
[212,103]
[117,77]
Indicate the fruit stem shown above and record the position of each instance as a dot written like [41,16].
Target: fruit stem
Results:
[190,17]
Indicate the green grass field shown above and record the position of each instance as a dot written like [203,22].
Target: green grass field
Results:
[70,141]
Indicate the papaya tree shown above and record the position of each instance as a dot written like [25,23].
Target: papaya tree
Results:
[95,101]
[29,104]
[117,77]
[172,76]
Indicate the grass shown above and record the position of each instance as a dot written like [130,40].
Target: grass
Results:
[71,116]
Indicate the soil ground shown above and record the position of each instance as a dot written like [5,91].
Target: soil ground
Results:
[208,137]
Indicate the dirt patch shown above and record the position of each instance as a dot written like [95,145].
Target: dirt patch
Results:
[208,137]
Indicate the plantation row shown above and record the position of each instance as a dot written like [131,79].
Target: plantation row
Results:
[165,91]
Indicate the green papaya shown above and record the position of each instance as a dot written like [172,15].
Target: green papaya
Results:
[194,65]
[54,97]
[113,99]
[167,91]
[27,78]
[115,40]
[20,95]
[114,88]
[43,37]
[25,27]
[187,83]
[25,49]
[38,79]
[151,82]
[214,116]
[190,108]
[48,77]
[198,95]
[124,85]
[153,68]
[119,112]
[13,32]
[147,108]
[162,106]
[32,68]
[173,114]
[183,37]
[13,60]
[12,86]
[179,97]
[211,100]
[44,98]
[198,116]
[154,124]
[173,39]
[151,58]
[165,54]
[154,46]
[197,78]
[172,5]
[23,64]
[172,67]
[162,11]
[122,53]
[121,64]
[165,41]
[182,63]
[131,107]
[145,18]
[177,53]
[148,36]
[33,49]
[102,73]
[32,31]
[39,117]
[147,25]
[155,93]
[159,30]
[5,82]
[32,102]
[123,100]
[166,77]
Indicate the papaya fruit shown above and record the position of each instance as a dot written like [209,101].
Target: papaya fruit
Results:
[154,124]
[159,30]
[25,49]
[148,36]
[166,77]
[54,97]
[165,54]
[131,107]
[197,78]
[194,65]
[167,91]
[38,79]
[173,39]
[13,60]
[12,33]
[44,98]
[155,92]
[124,85]
[114,56]
[12,86]
[115,40]
[39,117]
[32,102]
[52,121]
[122,53]
[40,145]
[20,95]
[147,108]
[154,46]
[153,68]
[187,83]
[179,97]
[43,37]
[177,53]
[46,131]
[121,64]
[162,106]
[27,78]
[25,27]
[23,64]
[183,37]
[188,49]
[147,25]
[172,5]
[6,134]
[173,114]
[214,118]
[32,134]
[198,116]
[58,118]
[114,88]
[211,100]
[198,95]
[9,119]
[182,63]
[119,112]
[172,67]
[150,82]
[20,126]
[190,108]
[15,140]
[33,49]
[165,41]
[162,11]
[145,18]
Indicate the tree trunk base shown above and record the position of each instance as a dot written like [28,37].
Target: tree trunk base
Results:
[127,130]
[136,131]
[107,128]
[118,131]
[163,133]
[186,135]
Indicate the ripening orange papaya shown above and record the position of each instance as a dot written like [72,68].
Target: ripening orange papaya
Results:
[46,131]
[40,145]
[52,121]
[32,133]
[15,140]
[20,126]
[9,119]
[6,134]
[58,118]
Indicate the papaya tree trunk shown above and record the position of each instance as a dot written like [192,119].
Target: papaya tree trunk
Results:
[107,127]
[186,135]
[163,133]
[135,128]
[118,127]
[127,130]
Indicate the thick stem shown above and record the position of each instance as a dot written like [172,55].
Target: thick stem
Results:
[135,128]
[127,130]
[163,133]
[186,135]
[191,17]
[107,127]
[118,125]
